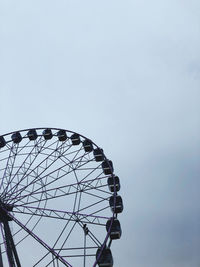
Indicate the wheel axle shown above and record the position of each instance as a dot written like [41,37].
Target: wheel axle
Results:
[4,209]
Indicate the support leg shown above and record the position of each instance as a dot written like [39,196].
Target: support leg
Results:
[11,249]
[1,260]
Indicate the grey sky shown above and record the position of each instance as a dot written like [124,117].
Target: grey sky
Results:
[125,74]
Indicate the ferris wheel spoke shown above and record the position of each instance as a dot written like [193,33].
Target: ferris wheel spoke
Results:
[40,260]
[40,241]
[9,169]
[20,230]
[56,214]
[94,204]
[90,173]
[27,167]
[36,198]
[75,200]
[79,201]
[92,237]
[34,170]
[55,243]
[60,249]
[56,194]
[28,193]
[5,177]
[60,191]
[89,233]
[53,179]
[48,176]
[26,174]
[66,189]
[25,164]
[97,179]
[84,256]
[96,187]
[27,222]
[51,192]
[76,165]
[64,242]
[94,195]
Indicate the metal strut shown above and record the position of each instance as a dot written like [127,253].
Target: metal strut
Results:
[10,247]
[1,260]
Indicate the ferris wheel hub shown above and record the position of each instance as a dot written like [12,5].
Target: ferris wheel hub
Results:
[4,209]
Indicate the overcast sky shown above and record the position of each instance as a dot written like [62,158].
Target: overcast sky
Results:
[127,75]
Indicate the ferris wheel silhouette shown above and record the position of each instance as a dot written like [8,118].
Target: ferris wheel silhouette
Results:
[59,200]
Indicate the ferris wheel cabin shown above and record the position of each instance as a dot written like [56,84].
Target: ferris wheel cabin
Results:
[32,134]
[116,204]
[62,136]
[113,183]
[115,231]
[106,259]
[98,154]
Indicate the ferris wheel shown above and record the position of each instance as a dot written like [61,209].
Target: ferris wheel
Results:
[59,201]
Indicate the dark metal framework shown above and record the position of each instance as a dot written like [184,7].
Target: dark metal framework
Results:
[54,200]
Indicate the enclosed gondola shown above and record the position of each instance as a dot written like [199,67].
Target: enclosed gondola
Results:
[107,167]
[115,228]
[16,137]
[62,136]
[2,141]
[116,204]
[32,134]
[87,144]
[47,133]
[104,258]
[75,138]
[113,183]
[98,154]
